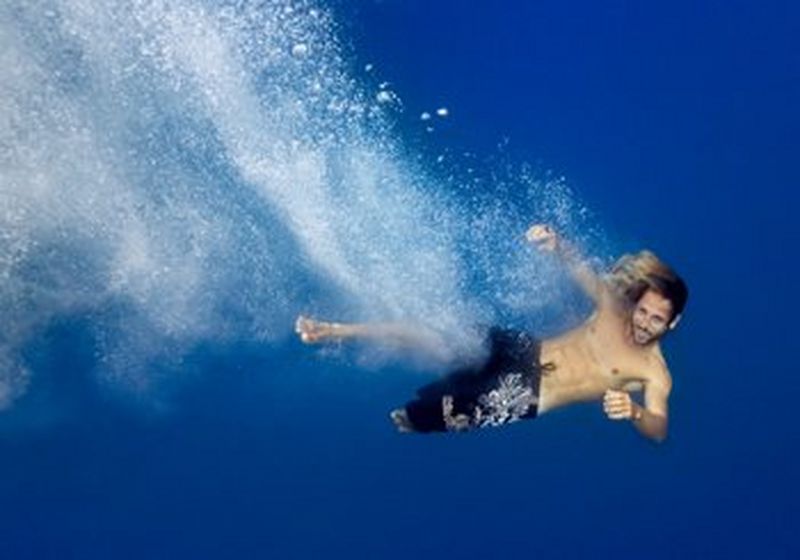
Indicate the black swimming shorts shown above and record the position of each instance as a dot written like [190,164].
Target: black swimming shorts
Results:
[503,389]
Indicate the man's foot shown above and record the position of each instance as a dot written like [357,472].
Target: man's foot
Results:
[312,332]
[401,421]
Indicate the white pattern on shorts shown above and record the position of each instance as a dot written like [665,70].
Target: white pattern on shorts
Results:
[510,401]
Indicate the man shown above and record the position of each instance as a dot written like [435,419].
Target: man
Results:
[613,353]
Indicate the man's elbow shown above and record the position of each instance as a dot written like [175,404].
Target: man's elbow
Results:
[659,437]
[658,432]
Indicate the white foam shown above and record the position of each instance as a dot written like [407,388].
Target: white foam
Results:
[184,173]
[300,50]
[386,96]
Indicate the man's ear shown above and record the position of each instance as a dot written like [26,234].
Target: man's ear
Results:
[675,321]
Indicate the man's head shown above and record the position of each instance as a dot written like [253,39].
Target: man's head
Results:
[651,317]
[657,295]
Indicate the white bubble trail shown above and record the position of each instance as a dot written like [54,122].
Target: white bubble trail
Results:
[192,171]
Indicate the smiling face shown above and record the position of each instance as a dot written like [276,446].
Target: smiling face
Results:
[650,318]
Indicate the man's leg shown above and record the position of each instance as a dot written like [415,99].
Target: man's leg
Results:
[404,336]
[312,331]
[416,339]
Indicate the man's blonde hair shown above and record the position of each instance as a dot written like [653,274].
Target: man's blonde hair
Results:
[633,274]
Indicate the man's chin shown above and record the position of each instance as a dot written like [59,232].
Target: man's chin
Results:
[643,339]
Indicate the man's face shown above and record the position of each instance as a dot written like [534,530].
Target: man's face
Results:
[650,319]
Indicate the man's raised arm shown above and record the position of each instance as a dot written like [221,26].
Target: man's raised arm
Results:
[546,239]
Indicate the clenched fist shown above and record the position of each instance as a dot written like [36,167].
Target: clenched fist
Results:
[618,405]
[543,236]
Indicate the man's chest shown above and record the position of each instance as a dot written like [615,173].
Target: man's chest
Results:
[620,367]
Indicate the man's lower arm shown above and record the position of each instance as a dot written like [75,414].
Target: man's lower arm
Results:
[649,424]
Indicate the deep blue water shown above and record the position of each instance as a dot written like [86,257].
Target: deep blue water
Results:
[676,125]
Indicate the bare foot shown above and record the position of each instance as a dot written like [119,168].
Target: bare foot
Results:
[401,421]
[311,331]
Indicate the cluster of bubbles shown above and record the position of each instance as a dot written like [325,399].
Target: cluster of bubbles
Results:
[425,116]
[183,172]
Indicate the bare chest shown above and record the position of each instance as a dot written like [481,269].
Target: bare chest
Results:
[590,362]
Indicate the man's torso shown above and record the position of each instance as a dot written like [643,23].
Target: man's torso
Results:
[582,364]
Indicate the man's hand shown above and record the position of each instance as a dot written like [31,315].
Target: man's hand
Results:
[546,239]
[618,405]
[543,236]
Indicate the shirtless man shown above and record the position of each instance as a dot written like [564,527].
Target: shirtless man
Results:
[613,353]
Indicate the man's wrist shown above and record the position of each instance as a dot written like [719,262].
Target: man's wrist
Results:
[567,252]
[637,414]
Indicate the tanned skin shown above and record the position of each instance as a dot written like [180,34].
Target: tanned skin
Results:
[615,352]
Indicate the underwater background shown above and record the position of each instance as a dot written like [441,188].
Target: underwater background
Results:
[179,180]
